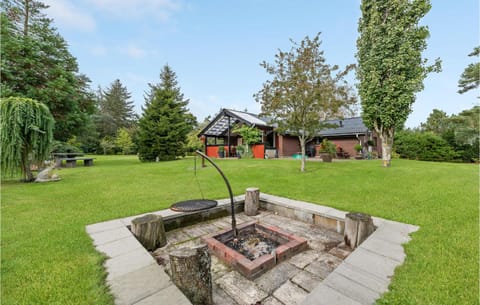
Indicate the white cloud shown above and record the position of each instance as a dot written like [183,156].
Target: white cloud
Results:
[160,9]
[65,14]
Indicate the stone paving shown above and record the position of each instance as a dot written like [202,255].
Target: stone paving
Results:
[324,274]
[287,283]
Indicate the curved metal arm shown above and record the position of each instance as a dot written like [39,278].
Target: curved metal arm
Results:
[232,206]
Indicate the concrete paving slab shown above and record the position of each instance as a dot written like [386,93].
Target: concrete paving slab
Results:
[120,246]
[220,297]
[272,301]
[319,269]
[324,295]
[243,291]
[306,280]
[104,237]
[128,262]
[303,259]
[316,245]
[169,295]
[274,278]
[340,252]
[218,269]
[104,226]
[385,248]
[194,231]
[373,263]
[329,259]
[290,294]
[139,284]
[368,280]
[176,236]
[351,289]
[393,232]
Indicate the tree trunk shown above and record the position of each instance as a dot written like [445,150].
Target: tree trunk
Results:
[302,146]
[387,142]
[150,231]
[252,201]
[358,227]
[191,273]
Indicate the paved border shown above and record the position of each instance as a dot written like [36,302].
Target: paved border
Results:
[135,278]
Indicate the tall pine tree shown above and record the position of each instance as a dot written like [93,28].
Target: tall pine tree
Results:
[166,121]
[115,110]
[36,64]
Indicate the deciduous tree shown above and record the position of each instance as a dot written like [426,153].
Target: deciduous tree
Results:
[303,93]
[390,64]
[26,135]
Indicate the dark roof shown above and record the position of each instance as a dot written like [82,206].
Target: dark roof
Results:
[219,124]
[348,126]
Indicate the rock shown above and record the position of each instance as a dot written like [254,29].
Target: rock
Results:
[47,175]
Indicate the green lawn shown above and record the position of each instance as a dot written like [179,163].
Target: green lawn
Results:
[47,257]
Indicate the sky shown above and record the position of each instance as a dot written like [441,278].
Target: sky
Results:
[216,47]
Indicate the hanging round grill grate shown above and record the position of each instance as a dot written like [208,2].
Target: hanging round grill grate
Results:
[193,205]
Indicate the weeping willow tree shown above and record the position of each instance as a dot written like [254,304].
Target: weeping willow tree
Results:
[26,133]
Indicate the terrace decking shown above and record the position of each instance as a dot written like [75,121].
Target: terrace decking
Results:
[317,276]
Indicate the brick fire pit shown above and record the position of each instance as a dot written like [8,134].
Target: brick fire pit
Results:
[289,245]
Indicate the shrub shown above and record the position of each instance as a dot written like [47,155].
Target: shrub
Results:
[62,147]
[423,146]
[358,147]
[328,147]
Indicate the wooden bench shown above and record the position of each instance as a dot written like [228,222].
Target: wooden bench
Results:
[72,162]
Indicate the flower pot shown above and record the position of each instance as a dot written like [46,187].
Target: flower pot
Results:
[326,157]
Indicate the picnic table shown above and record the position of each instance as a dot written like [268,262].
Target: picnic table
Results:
[71,159]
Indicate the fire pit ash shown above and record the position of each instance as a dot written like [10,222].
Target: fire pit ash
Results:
[256,249]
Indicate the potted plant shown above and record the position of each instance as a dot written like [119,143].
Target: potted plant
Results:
[358,147]
[221,151]
[327,150]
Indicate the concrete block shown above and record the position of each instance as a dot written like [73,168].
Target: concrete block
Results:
[351,289]
[303,259]
[304,216]
[169,295]
[139,284]
[290,294]
[270,301]
[395,232]
[243,291]
[104,226]
[306,280]
[385,248]
[120,246]
[275,277]
[220,297]
[324,295]
[128,262]
[373,263]
[319,269]
[104,237]
[367,279]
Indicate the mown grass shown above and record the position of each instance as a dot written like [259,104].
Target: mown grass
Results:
[47,257]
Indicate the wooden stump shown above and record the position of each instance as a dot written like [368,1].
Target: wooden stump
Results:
[150,231]
[252,201]
[191,273]
[358,227]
